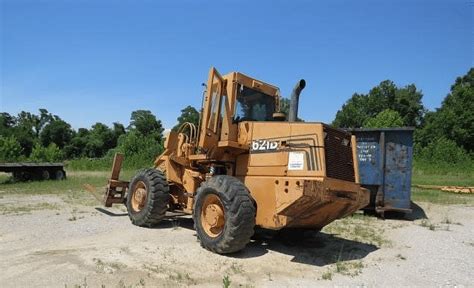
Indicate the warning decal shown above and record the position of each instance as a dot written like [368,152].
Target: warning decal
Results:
[296,161]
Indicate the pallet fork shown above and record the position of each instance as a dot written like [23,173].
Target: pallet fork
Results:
[116,189]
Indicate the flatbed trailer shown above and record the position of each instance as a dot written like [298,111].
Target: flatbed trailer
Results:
[24,171]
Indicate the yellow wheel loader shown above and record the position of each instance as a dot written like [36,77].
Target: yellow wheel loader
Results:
[245,167]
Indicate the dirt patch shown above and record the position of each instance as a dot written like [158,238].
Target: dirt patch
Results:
[76,245]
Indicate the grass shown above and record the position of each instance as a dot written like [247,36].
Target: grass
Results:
[349,268]
[74,182]
[441,175]
[9,209]
[359,228]
[71,190]
[440,197]
[444,175]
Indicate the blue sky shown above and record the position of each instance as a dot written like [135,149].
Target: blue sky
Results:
[97,61]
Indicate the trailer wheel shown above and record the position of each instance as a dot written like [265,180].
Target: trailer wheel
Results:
[60,174]
[45,175]
[148,198]
[224,214]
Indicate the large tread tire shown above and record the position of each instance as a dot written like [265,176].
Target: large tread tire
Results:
[239,211]
[157,198]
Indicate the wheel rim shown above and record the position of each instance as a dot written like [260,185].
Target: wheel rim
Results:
[212,216]
[139,196]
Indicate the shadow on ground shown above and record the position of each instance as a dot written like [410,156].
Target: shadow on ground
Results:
[310,247]
[316,248]
[110,213]
[416,214]
[313,248]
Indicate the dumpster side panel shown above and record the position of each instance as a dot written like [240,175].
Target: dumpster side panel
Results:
[398,163]
[369,154]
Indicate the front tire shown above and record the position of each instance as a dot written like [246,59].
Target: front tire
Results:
[224,214]
[148,198]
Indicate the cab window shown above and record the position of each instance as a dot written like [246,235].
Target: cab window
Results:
[253,105]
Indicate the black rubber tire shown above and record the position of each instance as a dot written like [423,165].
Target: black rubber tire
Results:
[45,175]
[157,199]
[239,212]
[60,175]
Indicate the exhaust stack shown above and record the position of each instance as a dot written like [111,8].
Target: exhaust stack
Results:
[295,99]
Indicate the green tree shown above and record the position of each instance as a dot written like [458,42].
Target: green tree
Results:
[188,114]
[51,153]
[454,120]
[145,123]
[361,107]
[117,130]
[7,122]
[137,148]
[10,149]
[99,140]
[58,132]
[442,150]
[77,146]
[385,119]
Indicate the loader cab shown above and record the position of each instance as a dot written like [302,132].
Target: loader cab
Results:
[253,105]
[230,100]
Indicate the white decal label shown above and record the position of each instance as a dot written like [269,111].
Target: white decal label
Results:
[296,161]
[264,145]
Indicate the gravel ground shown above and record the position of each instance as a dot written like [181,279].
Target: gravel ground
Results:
[46,242]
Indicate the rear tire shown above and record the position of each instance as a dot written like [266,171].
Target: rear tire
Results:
[224,214]
[148,198]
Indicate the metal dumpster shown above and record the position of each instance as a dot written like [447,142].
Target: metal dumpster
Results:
[385,161]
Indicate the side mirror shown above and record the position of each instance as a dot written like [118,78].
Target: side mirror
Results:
[279,116]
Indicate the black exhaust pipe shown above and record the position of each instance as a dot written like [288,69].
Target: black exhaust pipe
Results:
[295,99]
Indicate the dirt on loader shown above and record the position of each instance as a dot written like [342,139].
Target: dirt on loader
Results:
[53,241]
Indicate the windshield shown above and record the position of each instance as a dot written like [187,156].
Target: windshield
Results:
[253,105]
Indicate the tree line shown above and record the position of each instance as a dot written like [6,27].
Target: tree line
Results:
[446,134]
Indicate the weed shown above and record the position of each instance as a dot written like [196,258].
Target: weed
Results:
[236,268]
[426,223]
[108,267]
[226,282]
[125,249]
[269,276]
[448,221]
[349,268]
[153,268]
[175,223]
[400,256]
[327,275]
[180,277]
[82,285]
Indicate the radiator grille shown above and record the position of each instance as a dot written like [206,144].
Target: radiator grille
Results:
[338,150]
